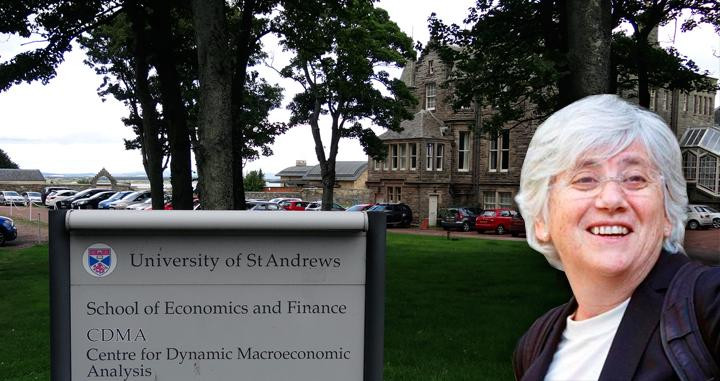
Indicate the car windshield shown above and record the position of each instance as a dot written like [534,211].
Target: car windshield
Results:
[116,196]
[377,208]
[34,194]
[130,196]
[488,213]
[356,208]
[11,193]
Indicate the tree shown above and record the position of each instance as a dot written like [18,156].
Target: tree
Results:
[147,52]
[589,37]
[6,162]
[254,181]
[515,59]
[339,50]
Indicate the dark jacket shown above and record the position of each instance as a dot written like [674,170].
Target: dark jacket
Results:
[636,352]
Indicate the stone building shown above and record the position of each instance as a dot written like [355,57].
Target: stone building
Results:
[348,175]
[437,161]
[21,180]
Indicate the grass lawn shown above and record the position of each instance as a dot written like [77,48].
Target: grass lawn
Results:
[454,309]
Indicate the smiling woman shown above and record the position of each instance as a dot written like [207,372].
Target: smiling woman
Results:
[603,197]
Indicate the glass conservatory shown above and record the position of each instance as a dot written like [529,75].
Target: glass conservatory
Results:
[701,158]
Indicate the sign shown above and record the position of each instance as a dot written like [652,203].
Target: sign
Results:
[216,295]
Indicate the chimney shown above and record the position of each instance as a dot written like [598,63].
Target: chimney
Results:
[300,163]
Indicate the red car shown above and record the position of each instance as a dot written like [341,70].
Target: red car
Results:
[294,205]
[498,220]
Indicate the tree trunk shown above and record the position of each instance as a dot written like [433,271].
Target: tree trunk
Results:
[243,48]
[173,107]
[588,31]
[641,47]
[151,146]
[215,117]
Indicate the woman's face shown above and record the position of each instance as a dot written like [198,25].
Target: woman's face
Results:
[607,216]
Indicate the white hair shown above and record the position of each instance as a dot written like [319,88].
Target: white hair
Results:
[605,125]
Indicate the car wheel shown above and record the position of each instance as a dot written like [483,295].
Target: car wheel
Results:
[466,227]
[479,231]
[693,225]
[716,223]
[500,230]
[514,234]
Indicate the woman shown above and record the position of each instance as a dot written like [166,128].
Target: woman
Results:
[604,199]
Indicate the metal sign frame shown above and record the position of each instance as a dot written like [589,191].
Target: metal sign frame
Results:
[60,271]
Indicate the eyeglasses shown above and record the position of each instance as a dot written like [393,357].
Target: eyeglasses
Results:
[589,183]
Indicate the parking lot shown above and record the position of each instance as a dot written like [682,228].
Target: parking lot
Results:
[701,244]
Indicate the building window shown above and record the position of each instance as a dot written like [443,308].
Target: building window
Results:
[652,99]
[387,154]
[431,67]
[707,105]
[430,96]
[689,166]
[686,100]
[376,164]
[500,152]
[394,194]
[413,156]
[505,199]
[394,156]
[695,104]
[439,151]
[708,172]
[429,157]
[403,156]
[464,151]
[489,200]
[665,99]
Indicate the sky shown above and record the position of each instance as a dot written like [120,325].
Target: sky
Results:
[64,126]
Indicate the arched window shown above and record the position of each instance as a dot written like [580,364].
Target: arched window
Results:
[689,166]
[707,174]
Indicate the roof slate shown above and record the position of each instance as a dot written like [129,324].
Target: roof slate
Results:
[344,170]
[21,175]
[423,125]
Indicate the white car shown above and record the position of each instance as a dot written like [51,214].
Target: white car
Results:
[56,196]
[702,216]
[11,198]
[32,197]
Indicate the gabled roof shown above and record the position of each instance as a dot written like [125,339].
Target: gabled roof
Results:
[423,125]
[294,171]
[21,175]
[344,171]
[707,138]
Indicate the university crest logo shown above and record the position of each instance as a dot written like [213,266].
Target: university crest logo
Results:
[99,260]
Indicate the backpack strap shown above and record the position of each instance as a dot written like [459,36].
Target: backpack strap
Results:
[680,335]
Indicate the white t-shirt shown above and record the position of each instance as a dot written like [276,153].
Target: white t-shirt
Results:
[585,345]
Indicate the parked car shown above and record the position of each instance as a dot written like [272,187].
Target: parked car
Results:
[278,200]
[130,199]
[294,205]
[32,197]
[58,195]
[266,206]
[701,216]
[105,204]
[11,198]
[359,207]
[517,225]
[397,214]
[47,190]
[145,204]
[317,206]
[92,201]
[8,231]
[67,203]
[461,218]
[498,220]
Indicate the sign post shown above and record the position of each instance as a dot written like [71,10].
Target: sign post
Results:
[216,295]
